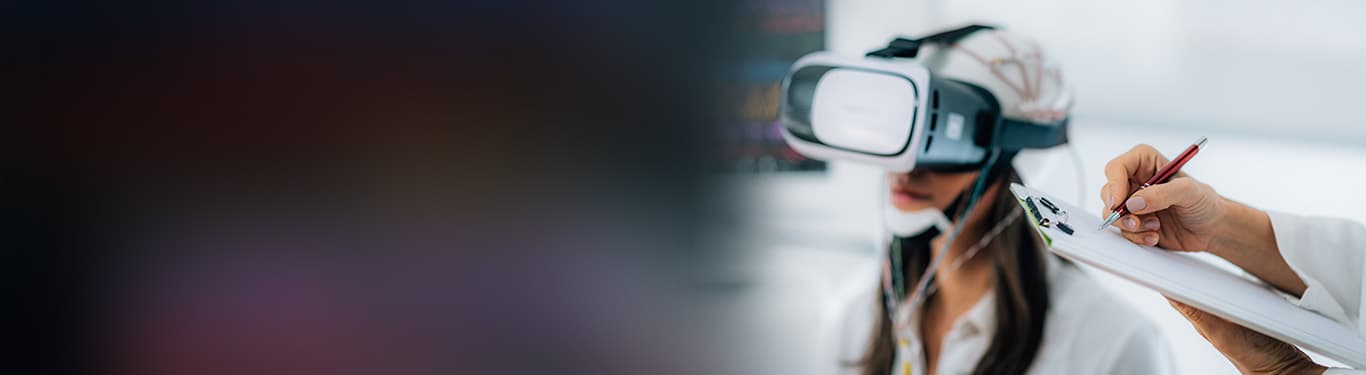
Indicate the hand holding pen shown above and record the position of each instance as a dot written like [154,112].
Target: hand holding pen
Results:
[1187,215]
[1155,204]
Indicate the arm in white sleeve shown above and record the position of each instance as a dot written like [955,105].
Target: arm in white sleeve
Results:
[1329,256]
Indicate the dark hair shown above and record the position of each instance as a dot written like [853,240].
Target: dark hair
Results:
[1021,297]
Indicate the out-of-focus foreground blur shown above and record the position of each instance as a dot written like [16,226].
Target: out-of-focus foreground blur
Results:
[289,187]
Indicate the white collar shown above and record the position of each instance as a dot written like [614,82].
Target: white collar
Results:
[980,319]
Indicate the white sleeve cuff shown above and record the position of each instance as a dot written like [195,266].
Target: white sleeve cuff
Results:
[1289,239]
[1317,299]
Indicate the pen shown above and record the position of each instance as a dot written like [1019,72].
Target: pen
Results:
[1162,176]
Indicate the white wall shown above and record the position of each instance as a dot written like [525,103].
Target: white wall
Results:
[1288,69]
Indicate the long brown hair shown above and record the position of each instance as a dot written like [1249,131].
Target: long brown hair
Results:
[1021,293]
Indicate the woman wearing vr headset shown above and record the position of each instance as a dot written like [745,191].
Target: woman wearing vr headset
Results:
[967,285]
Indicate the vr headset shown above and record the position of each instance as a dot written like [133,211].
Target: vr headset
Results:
[899,115]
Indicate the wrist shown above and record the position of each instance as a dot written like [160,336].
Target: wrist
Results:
[1238,229]
[1226,226]
[1245,237]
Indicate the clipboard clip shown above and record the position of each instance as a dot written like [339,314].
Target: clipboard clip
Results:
[1045,222]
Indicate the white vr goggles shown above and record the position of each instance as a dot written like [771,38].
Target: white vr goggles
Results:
[899,115]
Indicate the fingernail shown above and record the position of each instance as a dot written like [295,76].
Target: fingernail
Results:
[1131,223]
[1150,239]
[1109,202]
[1150,225]
[1137,204]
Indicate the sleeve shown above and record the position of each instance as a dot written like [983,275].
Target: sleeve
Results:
[1329,256]
[1340,371]
[1142,352]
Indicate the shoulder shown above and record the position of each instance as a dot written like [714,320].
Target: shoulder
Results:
[1090,330]
[1076,297]
[848,320]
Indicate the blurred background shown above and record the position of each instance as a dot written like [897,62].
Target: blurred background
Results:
[1274,85]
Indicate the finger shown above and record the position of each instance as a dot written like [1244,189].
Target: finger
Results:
[1149,238]
[1181,191]
[1116,181]
[1187,311]
[1216,330]
[1195,317]
[1209,324]
[1138,223]
[1128,223]
[1105,199]
[1150,222]
[1138,163]
[1203,322]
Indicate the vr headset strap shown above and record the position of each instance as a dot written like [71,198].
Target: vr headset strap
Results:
[1015,134]
[903,47]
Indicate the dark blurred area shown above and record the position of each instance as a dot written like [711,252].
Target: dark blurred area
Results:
[364,188]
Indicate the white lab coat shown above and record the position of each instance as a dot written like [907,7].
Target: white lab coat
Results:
[1087,331]
[1329,255]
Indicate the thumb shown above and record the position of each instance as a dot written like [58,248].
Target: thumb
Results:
[1189,312]
[1180,191]
[1212,328]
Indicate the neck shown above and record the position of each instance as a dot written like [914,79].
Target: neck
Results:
[960,288]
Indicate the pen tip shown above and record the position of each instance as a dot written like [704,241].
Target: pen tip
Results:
[1109,220]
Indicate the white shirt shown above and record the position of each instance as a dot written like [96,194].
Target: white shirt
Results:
[1329,255]
[1086,331]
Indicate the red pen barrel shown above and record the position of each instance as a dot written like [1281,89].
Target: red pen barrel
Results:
[1175,166]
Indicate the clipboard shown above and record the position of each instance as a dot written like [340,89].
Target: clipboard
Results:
[1184,277]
